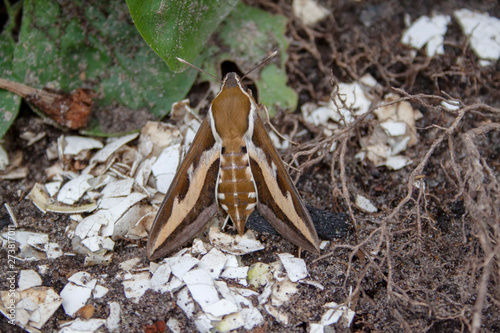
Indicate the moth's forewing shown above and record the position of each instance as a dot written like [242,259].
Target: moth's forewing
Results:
[278,199]
[190,201]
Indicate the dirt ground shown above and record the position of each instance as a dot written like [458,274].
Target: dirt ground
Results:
[429,260]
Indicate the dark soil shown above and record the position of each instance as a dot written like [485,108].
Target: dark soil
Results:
[428,261]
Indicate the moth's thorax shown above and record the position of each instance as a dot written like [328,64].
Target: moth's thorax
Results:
[231,110]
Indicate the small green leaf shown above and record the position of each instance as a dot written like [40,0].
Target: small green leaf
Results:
[178,28]
[273,90]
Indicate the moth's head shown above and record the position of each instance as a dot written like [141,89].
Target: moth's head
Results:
[231,80]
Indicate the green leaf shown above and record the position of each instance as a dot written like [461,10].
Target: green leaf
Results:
[178,28]
[274,91]
[67,45]
[252,33]
[9,102]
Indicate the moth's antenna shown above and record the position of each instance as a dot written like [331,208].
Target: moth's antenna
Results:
[269,57]
[197,68]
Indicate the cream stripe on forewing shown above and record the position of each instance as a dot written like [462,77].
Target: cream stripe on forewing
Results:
[285,203]
[196,176]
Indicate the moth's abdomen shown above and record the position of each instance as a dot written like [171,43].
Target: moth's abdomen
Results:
[236,190]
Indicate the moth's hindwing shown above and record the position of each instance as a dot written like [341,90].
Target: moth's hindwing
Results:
[190,201]
[278,199]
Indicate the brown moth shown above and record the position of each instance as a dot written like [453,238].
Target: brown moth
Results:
[231,164]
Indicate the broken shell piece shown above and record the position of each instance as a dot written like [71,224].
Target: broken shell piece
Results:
[14,168]
[15,173]
[12,216]
[394,128]
[113,145]
[52,188]
[73,190]
[25,240]
[295,267]
[119,188]
[174,325]
[309,11]
[428,31]
[187,121]
[282,291]
[252,318]
[235,273]
[182,264]
[399,112]
[98,259]
[97,243]
[397,162]
[53,251]
[234,244]
[135,285]
[350,99]
[190,132]
[76,293]
[280,316]
[74,297]
[313,283]
[278,142]
[185,302]
[113,320]
[91,225]
[451,105]
[79,325]
[156,136]
[106,218]
[221,308]
[198,247]
[73,145]
[201,287]
[32,137]
[229,323]
[41,200]
[483,31]
[393,135]
[28,278]
[4,159]
[370,82]
[165,167]
[129,264]
[143,172]
[203,323]
[213,262]
[83,279]
[161,277]
[144,224]
[316,115]
[335,313]
[365,204]
[134,223]
[34,306]
[99,291]
[378,154]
